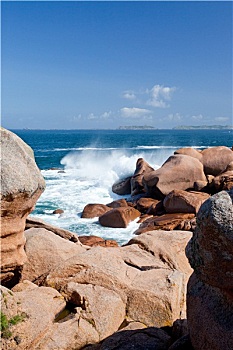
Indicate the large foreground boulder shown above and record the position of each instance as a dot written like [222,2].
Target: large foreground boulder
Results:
[210,251]
[21,186]
[210,316]
[209,295]
[150,278]
[179,172]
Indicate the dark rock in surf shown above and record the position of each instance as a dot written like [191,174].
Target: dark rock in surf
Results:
[142,168]
[122,187]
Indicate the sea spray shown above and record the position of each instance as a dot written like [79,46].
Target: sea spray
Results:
[88,178]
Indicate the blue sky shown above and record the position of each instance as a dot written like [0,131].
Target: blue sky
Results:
[71,65]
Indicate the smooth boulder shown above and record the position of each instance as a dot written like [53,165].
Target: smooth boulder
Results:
[216,159]
[179,172]
[91,211]
[119,217]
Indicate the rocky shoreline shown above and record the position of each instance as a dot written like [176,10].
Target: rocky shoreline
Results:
[60,291]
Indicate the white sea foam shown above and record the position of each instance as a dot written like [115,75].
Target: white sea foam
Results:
[88,178]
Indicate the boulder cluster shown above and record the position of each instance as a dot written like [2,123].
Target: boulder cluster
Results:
[167,198]
[61,292]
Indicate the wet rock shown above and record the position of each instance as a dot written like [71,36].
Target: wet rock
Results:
[122,187]
[142,168]
[58,211]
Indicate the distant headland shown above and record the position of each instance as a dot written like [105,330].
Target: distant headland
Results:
[136,127]
[201,127]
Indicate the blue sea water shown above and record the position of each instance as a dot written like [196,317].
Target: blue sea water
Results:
[93,160]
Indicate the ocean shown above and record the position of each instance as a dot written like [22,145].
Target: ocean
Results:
[92,160]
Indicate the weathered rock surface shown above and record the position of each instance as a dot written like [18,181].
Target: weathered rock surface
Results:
[32,222]
[142,168]
[144,204]
[93,241]
[36,309]
[209,296]
[216,159]
[151,285]
[119,217]
[122,187]
[179,201]
[94,210]
[45,250]
[21,186]
[210,251]
[167,222]
[179,172]
[210,316]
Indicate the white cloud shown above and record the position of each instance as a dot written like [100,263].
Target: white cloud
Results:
[134,112]
[197,117]
[159,94]
[174,117]
[221,119]
[92,116]
[129,95]
[106,115]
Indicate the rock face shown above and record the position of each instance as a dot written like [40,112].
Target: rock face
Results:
[21,186]
[209,296]
[119,217]
[97,291]
[179,172]
[179,201]
[150,283]
[210,316]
